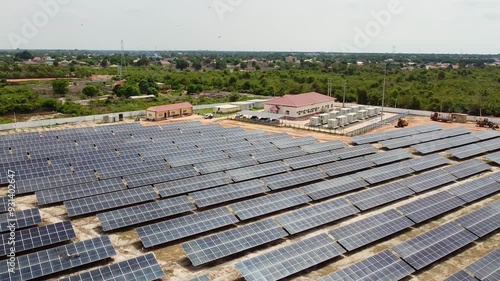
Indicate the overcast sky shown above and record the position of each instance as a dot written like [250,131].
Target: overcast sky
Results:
[423,26]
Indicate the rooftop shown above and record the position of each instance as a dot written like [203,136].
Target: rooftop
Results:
[300,100]
[170,107]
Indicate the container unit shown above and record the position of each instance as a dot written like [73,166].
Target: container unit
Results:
[315,121]
[371,111]
[345,111]
[354,109]
[333,114]
[333,123]
[378,110]
[362,114]
[342,119]
[324,118]
[349,118]
[362,107]
[352,117]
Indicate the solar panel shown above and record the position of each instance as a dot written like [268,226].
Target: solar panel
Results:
[490,145]
[323,146]
[356,151]
[186,226]
[494,157]
[476,189]
[427,181]
[4,204]
[188,159]
[201,278]
[382,266]
[333,187]
[399,142]
[46,262]
[346,166]
[294,178]
[160,176]
[286,143]
[434,245]
[487,267]
[431,206]
[388,157]
[427,162]
[461,276]
[291,259]
[486,135]
[379,196]
[142,268]
[257,171]
[316,215]
[228,193]
[467,151]
[483,221]
[468,168]
[269,156]
[269,204]
[54,181]
[225,164]
[371,229]
[184,186]
[143,213]
[108,201]
[223,244]
[37,237]
[385,173]
[311,160]
[51,196]
[21,219]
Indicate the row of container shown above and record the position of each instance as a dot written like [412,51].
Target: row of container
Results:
[344,116]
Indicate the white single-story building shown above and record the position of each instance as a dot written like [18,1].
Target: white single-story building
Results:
[258,103]
[226,108]
[300,106]
[244,105]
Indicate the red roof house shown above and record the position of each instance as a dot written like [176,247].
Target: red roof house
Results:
[300,106]
[300,100]
[170,110]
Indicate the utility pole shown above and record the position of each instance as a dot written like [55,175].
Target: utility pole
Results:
[345,89]
[329,87]
[122,61]
[383,94]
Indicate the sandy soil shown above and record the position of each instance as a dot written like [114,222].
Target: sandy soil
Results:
[178,268]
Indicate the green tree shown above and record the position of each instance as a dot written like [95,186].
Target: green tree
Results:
[441,75]
[55,63]
[60,87]
[197,65]
[234,97]
[24,55]
[181,64]
[220,64]
[104,63]
[90,91]
[362,96]
[128,91]
[243,65]
[148,87]
[254,63]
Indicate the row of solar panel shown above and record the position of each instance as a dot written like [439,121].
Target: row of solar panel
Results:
[484,269]
[416,253]
[371,138]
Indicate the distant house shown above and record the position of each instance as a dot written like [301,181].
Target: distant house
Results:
[300,106]
[169,111]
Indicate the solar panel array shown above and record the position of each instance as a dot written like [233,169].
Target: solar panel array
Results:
[142,268]
[378,196]
[46,262]
[382,266]
[269,204]
[143,213]
[37,237]
[178,228]
[223,244]
[461,276]
[487,267]
[483,221]
[476,189]
[319,214]
[288,260]
[431,206]
[21,219]
[494,157]
[207,159]
[439,145]
[371,229]
[431,246]
[371,138]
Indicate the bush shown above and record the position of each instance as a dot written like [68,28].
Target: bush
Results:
[60,87]
[90,91]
